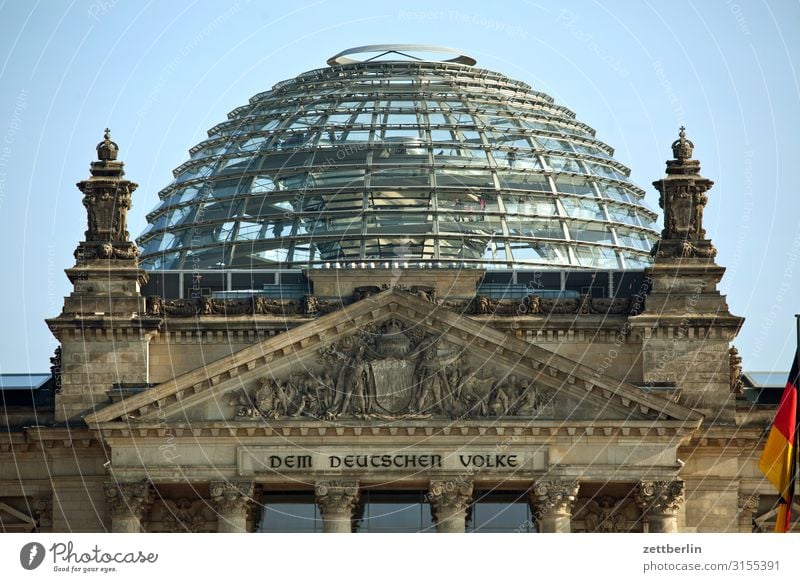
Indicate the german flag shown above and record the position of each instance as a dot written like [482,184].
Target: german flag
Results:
[779,459]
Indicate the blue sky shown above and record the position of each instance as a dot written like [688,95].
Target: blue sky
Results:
[161,74]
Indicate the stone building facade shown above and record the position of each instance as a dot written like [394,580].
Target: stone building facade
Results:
[587,414]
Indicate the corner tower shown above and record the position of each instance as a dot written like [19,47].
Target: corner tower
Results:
[686,326]
[102,327]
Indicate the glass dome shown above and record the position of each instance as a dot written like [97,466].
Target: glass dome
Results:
[395,159]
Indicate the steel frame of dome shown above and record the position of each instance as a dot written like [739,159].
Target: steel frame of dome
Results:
[431,164]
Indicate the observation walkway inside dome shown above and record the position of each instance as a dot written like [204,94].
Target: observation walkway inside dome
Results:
[385,159]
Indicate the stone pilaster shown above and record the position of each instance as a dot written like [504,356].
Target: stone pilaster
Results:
[128,503]
[552,502]
[449,501]
[748,506]
[337,500]
[232,501]
[660,501]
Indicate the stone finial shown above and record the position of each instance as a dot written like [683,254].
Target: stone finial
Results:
[107,150]
[682,148]
[660,497]
[229,497]
[128,499]
[107,198]
[683,199]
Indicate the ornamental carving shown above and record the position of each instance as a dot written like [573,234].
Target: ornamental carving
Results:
[449,498]
[43,512]
[534,305]
[608,515]
[336,497]
[748,502]
[309,305]
[390,372]
[55,369]
[128,499]
[553,497]
[735,365]
[184,515]
[660,497]
[228,497]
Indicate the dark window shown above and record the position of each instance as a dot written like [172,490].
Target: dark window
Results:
[395,512]
[290,513]
[500,511]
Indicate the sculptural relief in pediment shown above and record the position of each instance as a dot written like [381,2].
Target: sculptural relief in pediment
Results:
[391,371]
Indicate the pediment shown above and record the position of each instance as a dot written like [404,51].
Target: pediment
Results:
[393,356]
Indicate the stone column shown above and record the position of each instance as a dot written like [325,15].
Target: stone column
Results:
[748,506]
[231,500]
[128,503]
[551,502]
[660,502]
[336,501]
[449,502]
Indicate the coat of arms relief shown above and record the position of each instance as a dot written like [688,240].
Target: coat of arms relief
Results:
[390,371]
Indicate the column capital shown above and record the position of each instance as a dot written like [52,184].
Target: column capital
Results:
[231,497]
[748,502]
[449,501]
[660,497]
[336,497]
[449,497]
[554,496]
[337,500]
[129,499]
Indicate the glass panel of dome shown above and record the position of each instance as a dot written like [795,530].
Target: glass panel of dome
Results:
[216,211]
[591,232]
[635,261]
[494,250]
[262,184]
[624,214]
[561,164]
[181,216]
[330,179]
[252,144]
[616,193]
[578,186]
[633,239]
[543,229]
[524,181]
[596,256]
[165,261]
[251,231]
[398,199]
[550,143]
[582,208]
[446,178]
[195,172]
[400,177]
[387,226]
[607,171]
[350,136]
